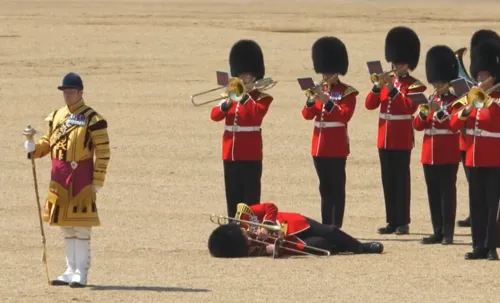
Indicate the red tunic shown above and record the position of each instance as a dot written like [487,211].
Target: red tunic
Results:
[242,138]
[267,212]
[330,136]
[441,144]
[395,131]
[482,134]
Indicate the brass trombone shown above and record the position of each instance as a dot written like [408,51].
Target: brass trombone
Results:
[477,96]
[377,78]
[426,107]
[236,90]
[279,240]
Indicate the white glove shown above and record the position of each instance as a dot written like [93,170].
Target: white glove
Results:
[29,146]
[96,188]
[270,249]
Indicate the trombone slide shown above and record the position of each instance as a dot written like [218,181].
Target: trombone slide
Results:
[281,230]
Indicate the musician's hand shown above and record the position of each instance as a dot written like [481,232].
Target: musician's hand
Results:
[435,106]
[96,188]
[386,80]
[468,109]
[29,146]
[270,249]
[229,101]
[262,233]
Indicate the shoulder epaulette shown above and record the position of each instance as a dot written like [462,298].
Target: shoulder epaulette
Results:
[262,96]
[416,85]
[51,116]
[349,90]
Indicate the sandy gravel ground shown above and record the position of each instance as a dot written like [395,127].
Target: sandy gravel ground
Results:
[140,61]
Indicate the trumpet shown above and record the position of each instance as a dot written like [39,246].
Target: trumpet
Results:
[377,78]
[310,92]
[279,239]
[478,97]
[236,90]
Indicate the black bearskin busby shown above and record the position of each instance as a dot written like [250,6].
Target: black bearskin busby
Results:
[329,56]
[486,57]
[481,35]
[441,65]
[246,57]
[228,241]
[402,45]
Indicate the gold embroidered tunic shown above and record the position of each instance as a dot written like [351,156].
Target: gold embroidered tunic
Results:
[75,135]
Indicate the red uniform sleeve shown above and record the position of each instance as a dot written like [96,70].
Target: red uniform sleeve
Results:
[343,112]
[494,110]
[401,96]
[420,124]
[267,212]
[457,122]
[262,105]
[372,100]
[217,114]
[309,112]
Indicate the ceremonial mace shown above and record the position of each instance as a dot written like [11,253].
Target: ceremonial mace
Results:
[30,132]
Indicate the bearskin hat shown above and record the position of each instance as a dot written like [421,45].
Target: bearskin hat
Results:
[329,55]
[246,57]
[228,241]
[441,64]
[486,57]
[481,35]
[402,45]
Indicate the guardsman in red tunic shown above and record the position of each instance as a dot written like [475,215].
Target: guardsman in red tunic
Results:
[481,121]
[231,240]
[242,138]
[478,36]
[395,132]
[331,107]
[440,149]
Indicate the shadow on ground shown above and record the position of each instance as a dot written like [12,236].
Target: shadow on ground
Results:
[146,288]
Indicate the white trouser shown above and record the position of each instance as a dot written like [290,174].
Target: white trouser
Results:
[77,250]
[82,233]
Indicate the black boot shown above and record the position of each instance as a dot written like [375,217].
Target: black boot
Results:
[402,230]
[464,223]
[373,248]
[389,229]
[492,254]
[433,239]
[476,254]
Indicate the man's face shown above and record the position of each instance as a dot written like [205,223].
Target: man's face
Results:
[483,76]
[402,68]
[246,78]
[330,78]
[72,96]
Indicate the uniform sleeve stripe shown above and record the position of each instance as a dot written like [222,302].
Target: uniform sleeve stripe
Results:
[98,125]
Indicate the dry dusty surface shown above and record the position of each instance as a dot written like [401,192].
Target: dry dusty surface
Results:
[140,61]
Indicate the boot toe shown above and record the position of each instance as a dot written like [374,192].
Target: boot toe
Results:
[492,255]
[76,285]
[58,283]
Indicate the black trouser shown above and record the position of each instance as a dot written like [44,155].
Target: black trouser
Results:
[395,168]
[242,182]
[332,179]
[441,183]
[329,238]
[466,169]
[484,195]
